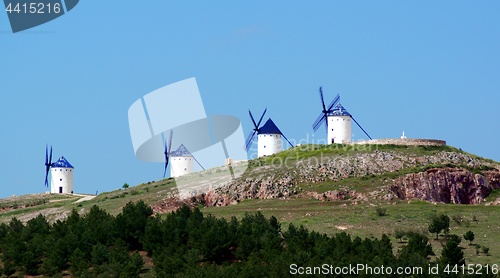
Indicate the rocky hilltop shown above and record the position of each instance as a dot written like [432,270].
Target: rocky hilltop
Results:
[437,174]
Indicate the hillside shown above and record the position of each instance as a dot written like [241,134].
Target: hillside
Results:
[386,172]
[328,189]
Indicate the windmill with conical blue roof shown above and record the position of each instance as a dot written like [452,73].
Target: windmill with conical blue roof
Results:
[61,173]
[181,160]
[337,121]
[269,137]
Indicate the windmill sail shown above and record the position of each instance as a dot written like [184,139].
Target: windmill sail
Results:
[256,129]
[167,152]
[325,112]
[48,164]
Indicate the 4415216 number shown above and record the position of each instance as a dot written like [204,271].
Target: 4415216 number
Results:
[34,8]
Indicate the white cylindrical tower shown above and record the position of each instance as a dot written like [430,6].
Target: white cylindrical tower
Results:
[339,126]
[269,144]
[62,176]
[181,162]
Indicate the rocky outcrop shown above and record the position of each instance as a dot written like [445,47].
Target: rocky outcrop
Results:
[446,185]
[320,169]
[261,187]
[336,195]
[282,180]
[169,204]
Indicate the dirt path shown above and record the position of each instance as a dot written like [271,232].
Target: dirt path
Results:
[85,198]
[77,197]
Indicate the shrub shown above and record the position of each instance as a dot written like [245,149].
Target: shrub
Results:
[452,254]
[439,223]
[399,234]
[469,235]
[381,211]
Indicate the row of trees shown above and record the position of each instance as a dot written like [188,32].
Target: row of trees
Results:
[441,223]
[186,243]
[95,244]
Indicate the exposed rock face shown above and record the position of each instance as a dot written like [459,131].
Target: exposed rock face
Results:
[446,185]
[336,195]
[261,187]
[168,204]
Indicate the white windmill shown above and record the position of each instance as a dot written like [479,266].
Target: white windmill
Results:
[181,160]
[337,121]
[61,174]
[269,137]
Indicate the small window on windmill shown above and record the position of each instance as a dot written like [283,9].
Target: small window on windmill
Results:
[60,179]
[185,169]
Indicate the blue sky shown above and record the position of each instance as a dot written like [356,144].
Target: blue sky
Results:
[430,68]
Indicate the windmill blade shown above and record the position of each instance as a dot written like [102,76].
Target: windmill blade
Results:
[318,121]
[261,117]
[287,140]
[361,127]
[253,121]
[322,99]
[166,160]
[48,163]
[251,136]
[167,152]
[170,142]
[50,157]
[334,101]
[46,179]
[46,166]
[324,114]
[198,162]
[249,141]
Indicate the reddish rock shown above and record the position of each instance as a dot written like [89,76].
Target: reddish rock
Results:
[446,185]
